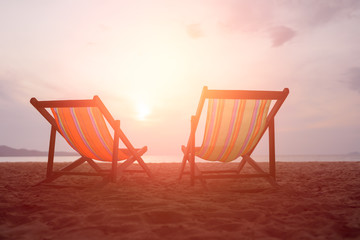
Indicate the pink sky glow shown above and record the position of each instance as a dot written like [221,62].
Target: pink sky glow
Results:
[148,62]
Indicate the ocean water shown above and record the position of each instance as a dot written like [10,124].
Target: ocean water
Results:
[178,158]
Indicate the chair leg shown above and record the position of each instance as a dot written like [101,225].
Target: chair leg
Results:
[270,179]
[131,160]
[121,168]
[197,172]
[241,165]
[272,148]
[98,169]
[93,164]
[182,168]
[113,171]
[58,174]
[192,170]
[254,164]
[145,167]
[142,163]
[50,162]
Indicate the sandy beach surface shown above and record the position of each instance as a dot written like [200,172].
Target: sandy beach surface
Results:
[315,200]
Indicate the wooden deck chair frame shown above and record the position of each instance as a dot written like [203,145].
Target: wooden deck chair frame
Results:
[107,174]
[190,149]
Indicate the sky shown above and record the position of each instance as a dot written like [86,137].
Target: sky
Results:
[148,61]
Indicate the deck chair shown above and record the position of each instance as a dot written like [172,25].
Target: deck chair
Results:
[236,121]
[85,126]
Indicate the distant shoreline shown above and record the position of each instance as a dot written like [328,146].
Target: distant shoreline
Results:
[6,151]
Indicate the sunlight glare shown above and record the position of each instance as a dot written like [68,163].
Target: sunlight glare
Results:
[143,110]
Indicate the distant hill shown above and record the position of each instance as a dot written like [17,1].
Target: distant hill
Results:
[6,151]
[354,153]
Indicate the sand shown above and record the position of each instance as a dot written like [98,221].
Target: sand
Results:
[314,201]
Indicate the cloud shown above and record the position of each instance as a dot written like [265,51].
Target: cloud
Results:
[353,81]
[104,27]
[250,16]
[194,31]
[321,12]
[280,35]
[326,11]
[245,16]
[18,85]
[8,85]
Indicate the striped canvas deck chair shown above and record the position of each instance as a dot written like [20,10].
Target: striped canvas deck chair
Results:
[87,126]
[236,121]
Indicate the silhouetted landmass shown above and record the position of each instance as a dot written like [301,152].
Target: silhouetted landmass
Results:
[6,151]
[354,153]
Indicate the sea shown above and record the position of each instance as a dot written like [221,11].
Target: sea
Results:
[178,158]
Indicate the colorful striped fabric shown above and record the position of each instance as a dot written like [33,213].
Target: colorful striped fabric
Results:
[233,128]
[85,129]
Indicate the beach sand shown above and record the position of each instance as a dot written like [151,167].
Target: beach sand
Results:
[315,200]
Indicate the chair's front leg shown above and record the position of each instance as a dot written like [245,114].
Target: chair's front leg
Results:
[51,152]
[113,174]
[184,160]
[192,151]
[272,148]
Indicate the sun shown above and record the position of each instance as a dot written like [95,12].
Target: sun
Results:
[143,110]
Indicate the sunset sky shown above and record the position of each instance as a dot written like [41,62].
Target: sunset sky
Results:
[148,61]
